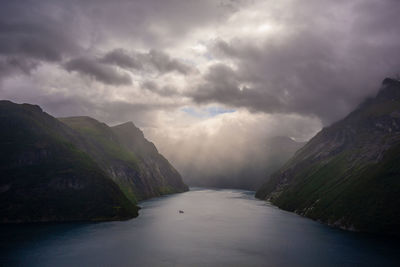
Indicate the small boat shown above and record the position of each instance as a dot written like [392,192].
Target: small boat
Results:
[181,211]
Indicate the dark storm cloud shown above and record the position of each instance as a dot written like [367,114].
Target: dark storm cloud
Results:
[55,30]
[98,71]
[326,64]
[103,70]
[31,34]
[328,56]
[162,91]
[222,84]
[10,66]
[154,60]
[40,42]
[156,23]
[163,63]
[123,59]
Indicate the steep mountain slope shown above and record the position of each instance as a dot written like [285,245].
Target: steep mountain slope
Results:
[44,176]
[252,169]
[139,171]
[348,175]
[152,165]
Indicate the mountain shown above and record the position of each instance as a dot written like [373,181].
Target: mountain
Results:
[251,170]
[153,166]
[128,158]
[45,177]
[348,175]
[75,169]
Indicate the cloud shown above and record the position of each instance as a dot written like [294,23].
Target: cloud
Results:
[152,61]
[223,144]
[321,65]
[167,91]
[319,58]
[62,102]
[97,70]
[123,59]
[10,66]
[104,69]
[163,63]
[223,85]
[41,42]
[152,23]
[30,35]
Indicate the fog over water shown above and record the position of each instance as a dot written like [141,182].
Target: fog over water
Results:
[228,149]
[217,228]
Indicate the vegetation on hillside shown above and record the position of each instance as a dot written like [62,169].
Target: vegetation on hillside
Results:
[348,175]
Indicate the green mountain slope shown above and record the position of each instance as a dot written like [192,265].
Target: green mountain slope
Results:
[162,177]
[348,175]
[44,176]
[128,158]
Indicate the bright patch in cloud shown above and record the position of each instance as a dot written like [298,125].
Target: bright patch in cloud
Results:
[206,112]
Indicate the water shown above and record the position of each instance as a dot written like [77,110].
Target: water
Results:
[217,228]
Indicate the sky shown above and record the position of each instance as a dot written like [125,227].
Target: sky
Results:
[200,78]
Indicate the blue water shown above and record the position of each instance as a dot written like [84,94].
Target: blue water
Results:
[217,228]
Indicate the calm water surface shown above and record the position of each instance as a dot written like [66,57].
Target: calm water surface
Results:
[217,228]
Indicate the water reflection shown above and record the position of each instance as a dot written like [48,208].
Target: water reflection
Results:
[217,228]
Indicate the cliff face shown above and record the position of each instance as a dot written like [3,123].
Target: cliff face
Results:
[128,158]
[153,167]
[348,175]
[45,177]
[75,169]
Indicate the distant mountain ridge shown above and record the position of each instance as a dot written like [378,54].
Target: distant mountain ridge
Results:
[253,171]
[75,169]
[348,175]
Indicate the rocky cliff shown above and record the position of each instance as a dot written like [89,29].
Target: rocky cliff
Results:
[348,175]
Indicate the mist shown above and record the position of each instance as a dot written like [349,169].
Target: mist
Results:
[236,149]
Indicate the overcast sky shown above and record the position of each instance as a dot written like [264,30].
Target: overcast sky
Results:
[189,72]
